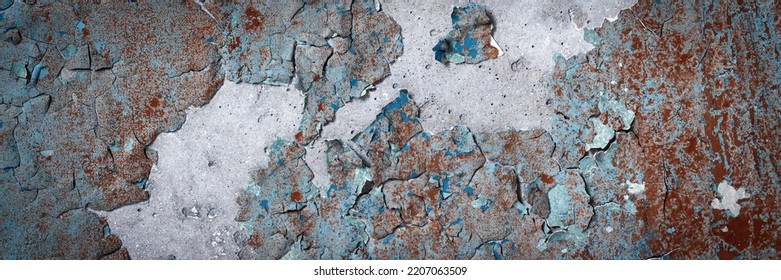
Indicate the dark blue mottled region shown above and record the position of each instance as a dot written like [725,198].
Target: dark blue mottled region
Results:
[470,39]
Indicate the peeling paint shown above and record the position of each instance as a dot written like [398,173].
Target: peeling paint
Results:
[335,50]
[83,97]
[93,85]
[470,41]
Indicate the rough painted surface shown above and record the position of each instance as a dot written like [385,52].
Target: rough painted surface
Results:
[85,88]
[400,192]
[663,143]
[334,51]
[470,40]
[629,168]
[88,87]
[207,161]
[702,81]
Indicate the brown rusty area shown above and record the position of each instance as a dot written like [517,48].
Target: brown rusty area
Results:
[695,92]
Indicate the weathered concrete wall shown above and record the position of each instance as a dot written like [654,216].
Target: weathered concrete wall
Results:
[557,135]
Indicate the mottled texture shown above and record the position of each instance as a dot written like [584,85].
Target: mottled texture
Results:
[702,80]
[470,40]
[333,50]
[92,86]
[89,87]
[662,146]
[664,141]
[401,193]
[278,194]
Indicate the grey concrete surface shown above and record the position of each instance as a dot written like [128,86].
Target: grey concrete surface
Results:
[202,167]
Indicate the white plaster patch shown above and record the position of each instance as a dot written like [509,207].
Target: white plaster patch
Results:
[729,198]
[316,160]
[635,188]
[200,171]
[508,90]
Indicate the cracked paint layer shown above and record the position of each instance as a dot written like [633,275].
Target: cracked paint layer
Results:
[404,193]
[701,82]
[677,104]
[89,87]
[85,88]
[470,41]
[612,178]
[333,51]
[276,196]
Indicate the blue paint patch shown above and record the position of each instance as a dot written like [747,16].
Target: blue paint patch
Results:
[264,204]
[470,40]
[141,183]
[469,190]
[388,238]
[497,255]
[98,46]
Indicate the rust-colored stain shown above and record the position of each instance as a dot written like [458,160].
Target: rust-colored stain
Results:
[296,196]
